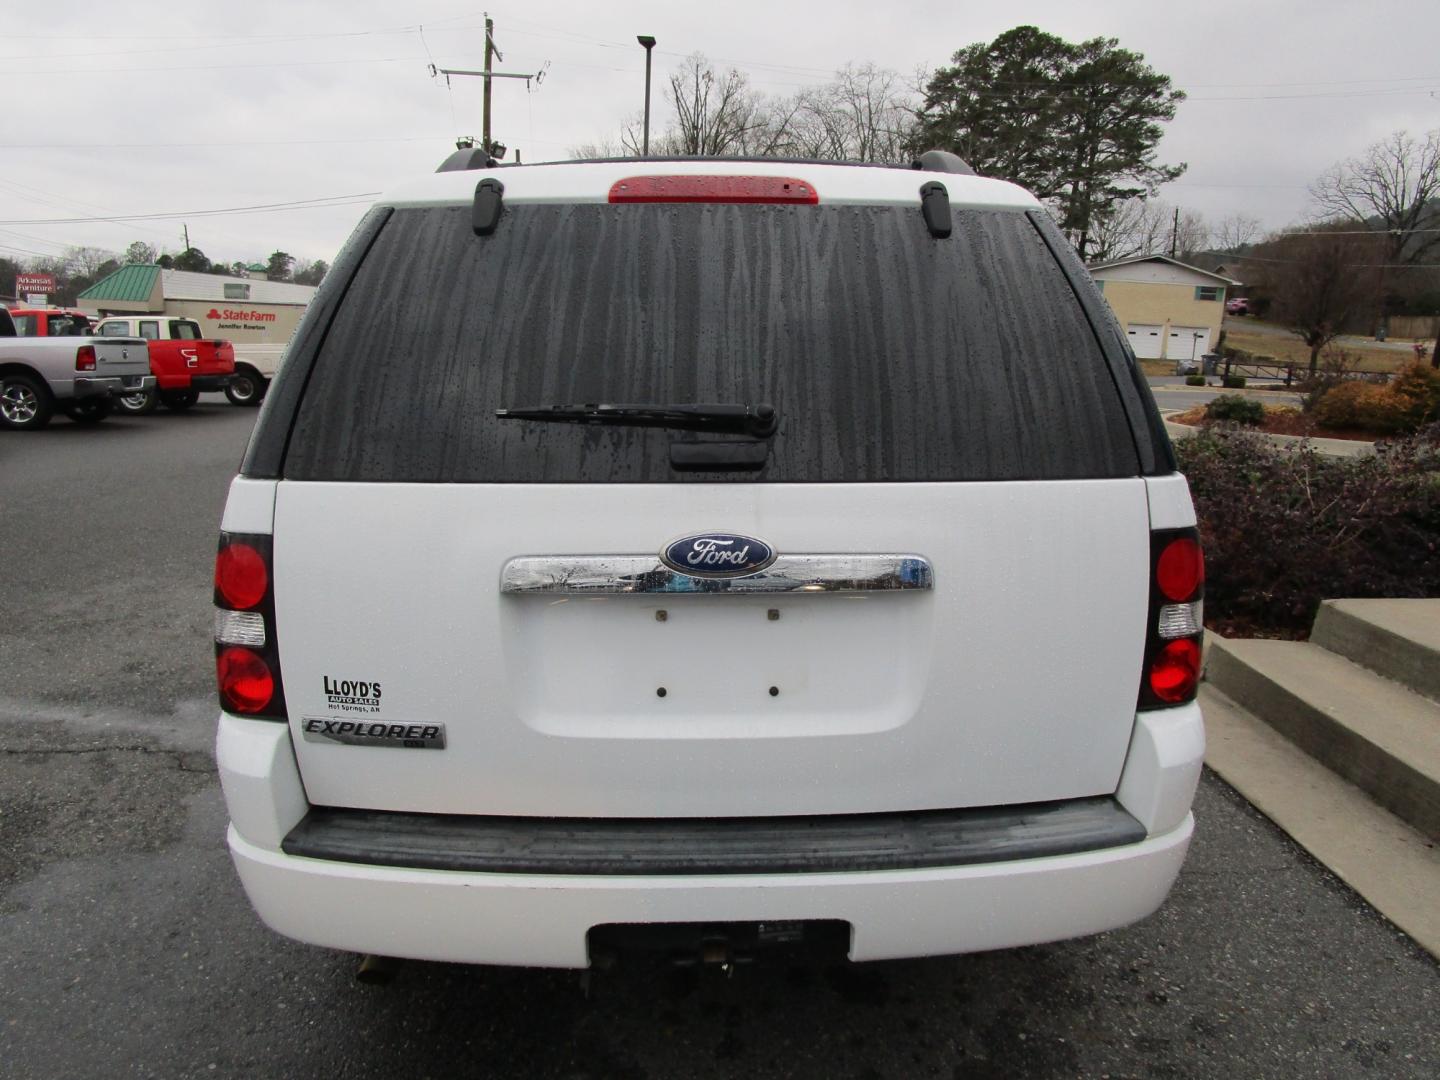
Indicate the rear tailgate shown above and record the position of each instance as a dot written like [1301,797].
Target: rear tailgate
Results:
[176,361]
[982,691]
[119,357]
[943,400]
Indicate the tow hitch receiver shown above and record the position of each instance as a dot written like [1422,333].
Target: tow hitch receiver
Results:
[722,944]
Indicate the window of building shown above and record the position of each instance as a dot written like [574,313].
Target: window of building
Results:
[237,291]
[1207,292]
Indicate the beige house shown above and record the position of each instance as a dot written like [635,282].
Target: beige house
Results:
[1169,310]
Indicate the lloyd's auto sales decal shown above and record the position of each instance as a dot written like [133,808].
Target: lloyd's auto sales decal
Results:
[362,696]
[350,695]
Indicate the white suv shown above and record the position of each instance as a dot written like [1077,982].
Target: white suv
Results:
[718,552]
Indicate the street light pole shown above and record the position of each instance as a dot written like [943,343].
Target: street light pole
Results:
[649,43]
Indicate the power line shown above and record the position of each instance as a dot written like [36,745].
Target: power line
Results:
[217,145]
[321,203]
[40,198]
[28,251]
[234,37]
[171,69]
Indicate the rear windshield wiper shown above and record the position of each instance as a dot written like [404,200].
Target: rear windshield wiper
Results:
[759,421]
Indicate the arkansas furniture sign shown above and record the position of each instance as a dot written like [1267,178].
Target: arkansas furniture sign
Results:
[34,283]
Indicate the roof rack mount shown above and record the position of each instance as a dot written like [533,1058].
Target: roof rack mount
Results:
[943,161]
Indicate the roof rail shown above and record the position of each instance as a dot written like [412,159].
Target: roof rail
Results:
[942,161]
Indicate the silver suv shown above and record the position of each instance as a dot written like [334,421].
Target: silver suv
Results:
[715,553]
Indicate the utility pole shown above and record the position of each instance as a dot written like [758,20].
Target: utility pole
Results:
[489,145]
[186,229]
[1175,232]
[490,51]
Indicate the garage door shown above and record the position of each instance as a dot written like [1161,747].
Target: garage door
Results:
[1188,342]
[1145,340]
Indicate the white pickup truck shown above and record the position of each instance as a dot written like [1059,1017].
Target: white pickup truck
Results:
[255,365]
[81,376]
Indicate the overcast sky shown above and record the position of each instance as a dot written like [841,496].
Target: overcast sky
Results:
[203,106]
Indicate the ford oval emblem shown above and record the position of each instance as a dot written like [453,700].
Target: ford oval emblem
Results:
[717,555]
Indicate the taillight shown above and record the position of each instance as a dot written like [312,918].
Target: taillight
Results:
[247,659]
[1176,619]
[246,683]
[785,190]
[1180,569]
[85,358]
[241,576]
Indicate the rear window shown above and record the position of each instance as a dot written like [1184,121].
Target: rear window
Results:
[185,331]
[890,355]
[68,326]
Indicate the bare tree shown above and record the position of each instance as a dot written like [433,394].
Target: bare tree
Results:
[1137,226]
[85,261]
[1394,189]
[866,114]
[1126,229]
[1236,231]
[1317,279]
[715,115]
[603,148]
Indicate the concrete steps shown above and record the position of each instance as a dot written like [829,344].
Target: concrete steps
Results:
[1382,858]
[1399,639]
[1378,733]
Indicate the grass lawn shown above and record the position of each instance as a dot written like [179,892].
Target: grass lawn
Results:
[1290,349]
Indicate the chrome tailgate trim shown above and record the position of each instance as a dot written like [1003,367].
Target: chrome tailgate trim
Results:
[619,575]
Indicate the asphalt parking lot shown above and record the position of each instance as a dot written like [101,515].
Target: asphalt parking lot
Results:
[129,949]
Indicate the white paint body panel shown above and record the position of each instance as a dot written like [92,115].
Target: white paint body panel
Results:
[542,920]
[250,507]
[1170,504]
[1014,681]
[263,358]
[1162,769]
[580,182]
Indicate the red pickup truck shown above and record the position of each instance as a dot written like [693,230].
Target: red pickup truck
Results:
[184,364]
[50,322]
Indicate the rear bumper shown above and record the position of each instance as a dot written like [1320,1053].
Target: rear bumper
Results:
[203,383]
[542,920]
[113,385]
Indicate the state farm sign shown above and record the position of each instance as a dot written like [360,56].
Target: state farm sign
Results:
[34,283]
[240,315]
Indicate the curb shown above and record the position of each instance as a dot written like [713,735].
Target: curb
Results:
[1329,447]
